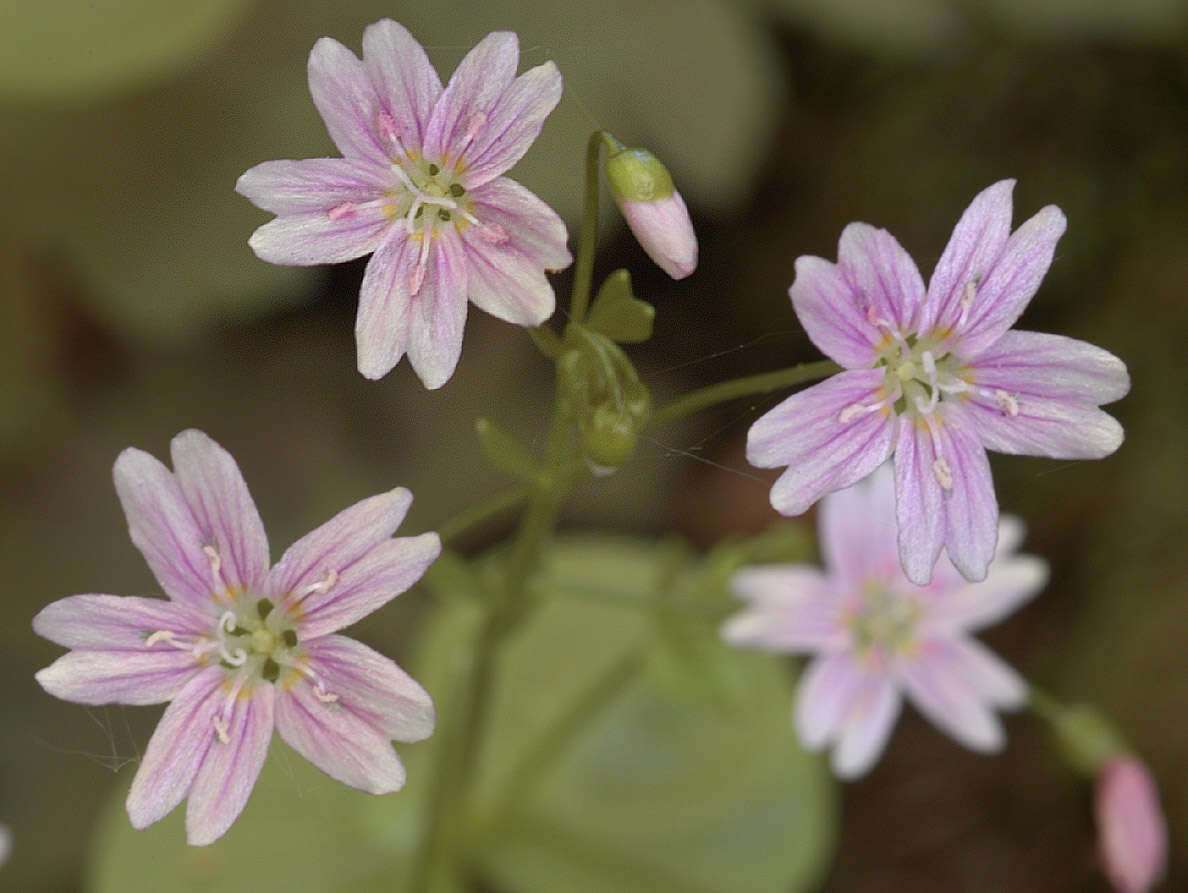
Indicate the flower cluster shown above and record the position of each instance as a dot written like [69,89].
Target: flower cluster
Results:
[239,648]
[877,636]
[419,187]
[935,378]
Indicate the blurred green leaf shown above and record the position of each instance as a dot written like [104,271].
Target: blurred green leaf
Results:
[505,451]
[301,831]
[82,48]
[618,314]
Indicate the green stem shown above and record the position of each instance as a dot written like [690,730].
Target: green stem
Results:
[763,383]
[1045,706]
[464,521]
[447,825]
[583,271]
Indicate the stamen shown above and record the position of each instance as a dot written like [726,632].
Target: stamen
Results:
[216,563]
[227,623]
[346,209]
[967,298]
[493,234]
[222,720]
[854,410]
[416,279]
[196,645]
[319,689]
[386,125]
[929,363]
[944,474]
[476,123]
[1006,402]
[326,582]
[161,635]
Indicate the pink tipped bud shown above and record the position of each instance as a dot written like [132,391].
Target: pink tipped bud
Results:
[1132,834]
[653,209]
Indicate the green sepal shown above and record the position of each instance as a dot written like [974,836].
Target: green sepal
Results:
[505,452]
[618,314]
[1086,738]
[637,175]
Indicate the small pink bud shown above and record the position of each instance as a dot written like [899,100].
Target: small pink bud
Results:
[1132,834]
[653,208]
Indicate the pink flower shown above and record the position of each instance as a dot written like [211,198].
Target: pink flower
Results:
[936,378]
[1132,832]
[877,636]
[419,188]
[240,648]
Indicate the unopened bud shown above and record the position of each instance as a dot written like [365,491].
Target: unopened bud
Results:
[608,437]
[653,209]
[1132,833]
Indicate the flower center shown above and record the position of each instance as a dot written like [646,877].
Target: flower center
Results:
[921,373]
[885,622]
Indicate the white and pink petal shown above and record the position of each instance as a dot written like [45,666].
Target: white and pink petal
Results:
[971,509]
[119,677]
[936,685]
[437,312]
[382,324]
[337,741]
[218,497]
[856,530]
[164,529]
[512,124]
[406,83]
[230,767]
[1010,283]
[826,437]
[866,727]
[176,750]
[882,275]
[347,100]
[384,572]
[373,688]
[330,549]
[116,622]
[975,244]
[313,185]
[322,237]
[824,696]
[505,282]
[1054,367]
[475,86]
[532,228]
[1038,426]
[834,314]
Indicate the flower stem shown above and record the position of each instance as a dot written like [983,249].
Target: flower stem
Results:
[583,271]
[464,521]
[742,387]
[447,822]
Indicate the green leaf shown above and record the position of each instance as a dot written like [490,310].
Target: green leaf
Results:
[505,452]
[618,314]
[653,794]
[300,831]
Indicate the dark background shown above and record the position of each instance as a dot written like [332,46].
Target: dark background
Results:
[132,308]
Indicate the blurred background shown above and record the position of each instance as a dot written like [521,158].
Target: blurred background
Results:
[132,308]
